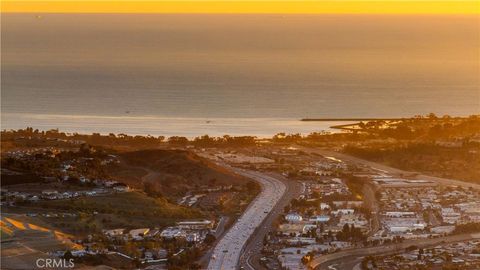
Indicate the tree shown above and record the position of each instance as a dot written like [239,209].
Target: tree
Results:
[210,239]
[176,140]
[251,186]
[67,255]
[307,258]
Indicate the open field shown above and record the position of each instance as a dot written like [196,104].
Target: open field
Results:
[126,208]
[29,239]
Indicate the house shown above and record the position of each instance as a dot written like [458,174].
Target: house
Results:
[343,212]
[110,183]
[33,198]
[291,229]
[172,232]
[450,216]
[309,227]
[291,261]
[49,192]
[400,214]
[301,240]
[347,203]
[324,206]
[293,218]
[352,219]
[319,219]
[121,188]
[114,232]
[192,237]
[442,229]
[195,225]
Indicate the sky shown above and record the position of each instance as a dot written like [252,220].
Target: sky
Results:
[246,6]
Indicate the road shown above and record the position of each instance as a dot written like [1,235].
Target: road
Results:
[219,231]
[226,254]
[347,259]
[388,169]
[250,258]
[372,204]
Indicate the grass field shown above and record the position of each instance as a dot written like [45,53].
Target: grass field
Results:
[132,209]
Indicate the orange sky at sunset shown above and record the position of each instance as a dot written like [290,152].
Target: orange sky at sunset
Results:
[249,6]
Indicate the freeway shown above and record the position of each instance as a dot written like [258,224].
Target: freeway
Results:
[250,258]
[347,259]
[226,254]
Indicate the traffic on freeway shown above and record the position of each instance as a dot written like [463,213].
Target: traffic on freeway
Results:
[226,254]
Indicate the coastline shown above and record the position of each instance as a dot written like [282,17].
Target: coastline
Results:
[165,126]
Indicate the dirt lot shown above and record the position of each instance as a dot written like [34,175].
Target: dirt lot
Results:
[29,239]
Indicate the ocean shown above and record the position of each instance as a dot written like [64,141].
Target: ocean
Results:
[258,75]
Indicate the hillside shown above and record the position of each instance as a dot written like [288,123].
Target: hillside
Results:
[171,172]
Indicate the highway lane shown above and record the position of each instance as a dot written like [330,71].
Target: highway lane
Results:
[226,254]
[250,258]
[346,259]
[219,231]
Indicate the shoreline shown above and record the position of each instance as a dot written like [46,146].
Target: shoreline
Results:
[165,126]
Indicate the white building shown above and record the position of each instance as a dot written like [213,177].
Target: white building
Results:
[195,224]
[121,188]
[400,214]
[343,212]
[324,206]
[355,220]
[396,225]
[320,219]
[442,229]
[172,232]
[137,234]
[114,232]
[293,217]
[450,216]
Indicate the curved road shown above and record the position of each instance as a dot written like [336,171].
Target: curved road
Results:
[346,259]
[250,258]
[226,254]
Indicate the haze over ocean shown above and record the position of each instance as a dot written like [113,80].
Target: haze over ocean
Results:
[232,74]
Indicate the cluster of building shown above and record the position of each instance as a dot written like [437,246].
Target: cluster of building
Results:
[29,153]
[418,209]
[148,245]
[312,225]
[462,255]
[192,231]
[325,167]
[66,173]
[324,188]
[10,197]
